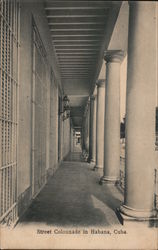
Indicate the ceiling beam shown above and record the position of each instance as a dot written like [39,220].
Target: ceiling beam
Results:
[79,56]
[80,42]
[75,38]
[77,48]
[75,29]
[74,67]
[80,60]
[78,68]
[71,52]
[65,51]
[74,46]
[77,26]
[72,60]
[76,16]
[61,8]
[76,19]
[86,78]
[78,96]
[68,11]
[74,77]
[70,64]
[77,35]
[70,4]
[76,64]
[64,66]
[73,24]
[77,72]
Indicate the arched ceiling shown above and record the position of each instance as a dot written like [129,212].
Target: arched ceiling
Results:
[80,32]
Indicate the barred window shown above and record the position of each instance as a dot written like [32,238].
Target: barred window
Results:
[39,113]
[9,44]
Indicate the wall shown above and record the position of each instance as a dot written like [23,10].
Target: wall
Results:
[33,9]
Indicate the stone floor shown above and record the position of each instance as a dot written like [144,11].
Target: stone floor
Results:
[73,197]
[76,156]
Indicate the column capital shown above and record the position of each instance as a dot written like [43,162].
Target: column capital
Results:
[114,55]
[132,3]
[100,83]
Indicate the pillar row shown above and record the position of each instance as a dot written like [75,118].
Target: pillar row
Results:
[112,117]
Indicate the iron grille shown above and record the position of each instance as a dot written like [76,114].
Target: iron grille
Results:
[39,113]
[9,53]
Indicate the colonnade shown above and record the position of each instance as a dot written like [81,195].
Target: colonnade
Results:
[104,129]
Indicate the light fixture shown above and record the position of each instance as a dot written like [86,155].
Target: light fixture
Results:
[66,107]
[66,102]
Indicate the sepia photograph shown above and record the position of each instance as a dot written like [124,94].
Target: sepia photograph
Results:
[78,124]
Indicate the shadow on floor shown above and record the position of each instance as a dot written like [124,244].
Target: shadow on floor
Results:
[73,197]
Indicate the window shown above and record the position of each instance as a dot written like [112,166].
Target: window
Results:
[9,44]
[39,113]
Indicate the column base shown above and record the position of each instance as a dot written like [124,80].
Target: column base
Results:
[92,162]
[97,167]
[128,216]
[85,156]
[109,180]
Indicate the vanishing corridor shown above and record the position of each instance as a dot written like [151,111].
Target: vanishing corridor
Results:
[78,113]
[72,197]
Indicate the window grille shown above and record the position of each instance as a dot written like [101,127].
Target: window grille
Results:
[9,53]
[39,113]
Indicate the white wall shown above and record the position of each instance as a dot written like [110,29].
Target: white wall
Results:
[33,9]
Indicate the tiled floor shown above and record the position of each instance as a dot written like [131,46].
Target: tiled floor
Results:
[73,197]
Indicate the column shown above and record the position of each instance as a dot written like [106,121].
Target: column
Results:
[93,159]
[72,139]
[92,127]
[87,129]
[85,132]
[100,124]
[140,113]
[113,59]
[82,137]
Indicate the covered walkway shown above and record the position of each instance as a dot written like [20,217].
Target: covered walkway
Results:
[78,117]
[72,197]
